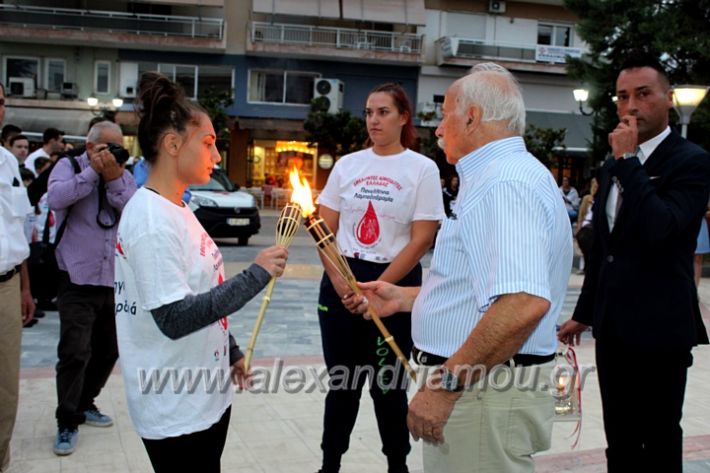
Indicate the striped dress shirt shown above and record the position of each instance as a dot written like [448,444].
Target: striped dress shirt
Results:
[509,232]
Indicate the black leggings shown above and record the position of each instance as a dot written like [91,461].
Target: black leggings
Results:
[198,451]
[354,350]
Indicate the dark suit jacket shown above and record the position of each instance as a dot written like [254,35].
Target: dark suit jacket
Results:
[639,289]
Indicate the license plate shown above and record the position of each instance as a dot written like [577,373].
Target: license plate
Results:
[238,222]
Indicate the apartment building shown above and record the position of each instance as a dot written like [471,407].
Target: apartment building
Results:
[276,56]
[64,65]
[424,44]
[297,50]
[532,38]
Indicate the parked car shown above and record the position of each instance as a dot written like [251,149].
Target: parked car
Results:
[224,210]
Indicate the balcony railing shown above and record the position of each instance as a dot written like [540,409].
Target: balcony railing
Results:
[321,36]
[453,47]
[110,21]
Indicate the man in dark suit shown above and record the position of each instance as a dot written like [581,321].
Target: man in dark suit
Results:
[638,294]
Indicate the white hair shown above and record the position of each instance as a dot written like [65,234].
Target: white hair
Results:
[95,132]
[496,91]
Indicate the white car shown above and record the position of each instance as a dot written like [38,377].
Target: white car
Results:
[224,210]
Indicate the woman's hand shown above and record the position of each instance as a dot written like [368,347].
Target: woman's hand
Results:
[273,260]
[240,377]
[357,304]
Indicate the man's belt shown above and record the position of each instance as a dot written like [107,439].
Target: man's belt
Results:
[521,359]
[7,276]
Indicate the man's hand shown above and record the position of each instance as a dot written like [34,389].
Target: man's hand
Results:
[429,412]
[240,377]
[27,306]
[571,332]
[96,161]
[111,169]
[385,298]
[624,138]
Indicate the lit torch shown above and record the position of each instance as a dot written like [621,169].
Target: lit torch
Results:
[286,227]
[328,247]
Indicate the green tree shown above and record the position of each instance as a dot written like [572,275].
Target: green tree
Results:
[216,102]
[542,142]
[674,31]
[429,144]
[337,133]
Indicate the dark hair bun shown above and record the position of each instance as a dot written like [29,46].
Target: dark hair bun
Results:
[164,108]
[157,93]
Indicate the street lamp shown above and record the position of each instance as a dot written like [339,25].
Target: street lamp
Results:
[581,96]
[686,98]
[104,108]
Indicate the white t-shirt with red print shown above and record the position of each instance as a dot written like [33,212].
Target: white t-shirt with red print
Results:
[174,387]
[378,198]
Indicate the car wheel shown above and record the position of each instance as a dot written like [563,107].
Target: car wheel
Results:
[243,241]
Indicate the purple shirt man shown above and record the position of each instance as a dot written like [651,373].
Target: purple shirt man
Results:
[87,347]
[86,250]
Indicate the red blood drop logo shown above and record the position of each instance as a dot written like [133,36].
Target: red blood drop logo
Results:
[368,229]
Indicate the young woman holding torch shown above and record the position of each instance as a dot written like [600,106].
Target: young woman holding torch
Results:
[171,296]
[383,204]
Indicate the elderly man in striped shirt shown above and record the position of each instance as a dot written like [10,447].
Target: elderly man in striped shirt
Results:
[494,291]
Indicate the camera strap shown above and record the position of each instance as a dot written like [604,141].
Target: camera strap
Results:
[104,206]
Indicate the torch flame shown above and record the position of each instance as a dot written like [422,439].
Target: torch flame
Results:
[301,193]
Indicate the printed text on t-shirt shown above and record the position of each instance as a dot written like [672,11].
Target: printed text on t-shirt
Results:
[383,181]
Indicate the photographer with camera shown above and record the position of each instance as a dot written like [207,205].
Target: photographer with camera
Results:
[87,193]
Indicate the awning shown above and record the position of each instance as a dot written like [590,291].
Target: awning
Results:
[579,127]
[72,122]
[315,8]
[408,12]
[271,124]
[192,3]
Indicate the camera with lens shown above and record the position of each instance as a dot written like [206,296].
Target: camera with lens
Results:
[118,152]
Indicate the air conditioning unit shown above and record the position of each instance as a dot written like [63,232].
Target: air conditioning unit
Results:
[128,79]
[496,6]
[69,90]
[22,86]
[332,90]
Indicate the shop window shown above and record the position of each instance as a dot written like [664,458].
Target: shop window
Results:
[272,160]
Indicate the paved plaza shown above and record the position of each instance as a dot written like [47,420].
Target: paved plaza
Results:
[280,431]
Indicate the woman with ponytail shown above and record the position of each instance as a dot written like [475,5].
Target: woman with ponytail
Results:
[172,301]
[384,204]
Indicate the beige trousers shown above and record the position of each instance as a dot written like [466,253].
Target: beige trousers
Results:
[496,428]
[10,337]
